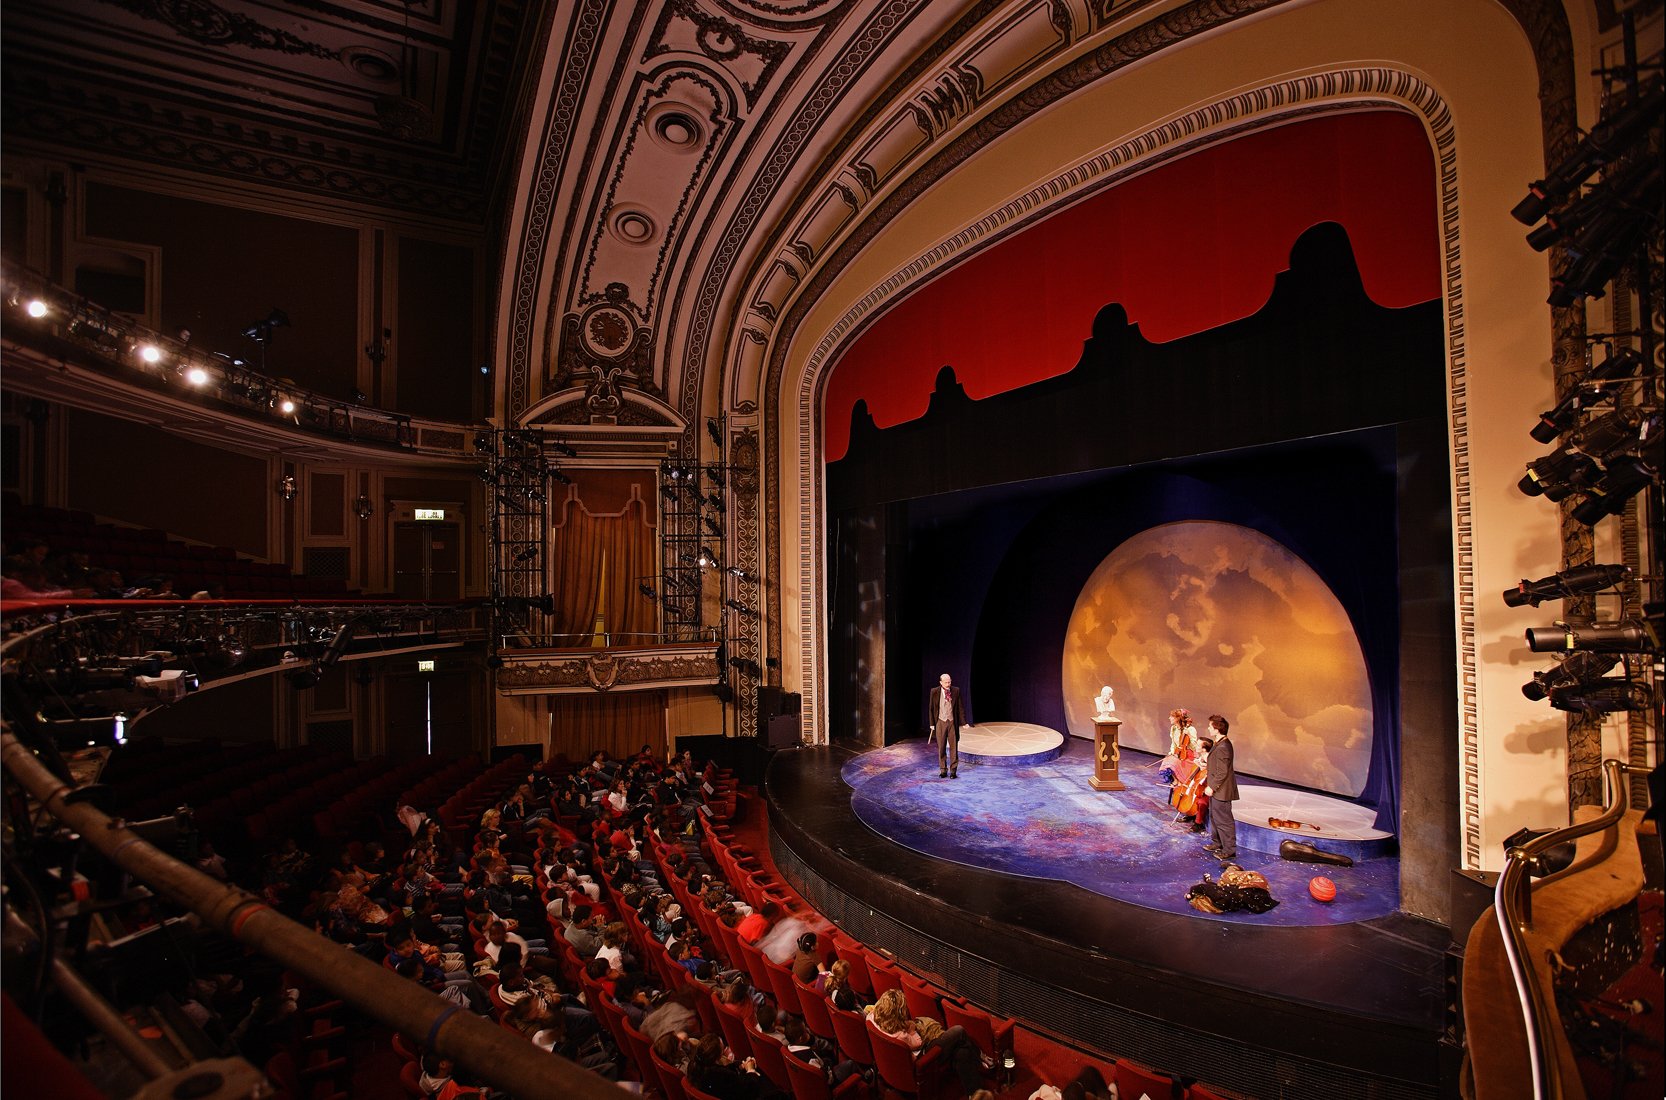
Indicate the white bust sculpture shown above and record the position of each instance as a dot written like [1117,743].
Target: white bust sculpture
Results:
[1105,704]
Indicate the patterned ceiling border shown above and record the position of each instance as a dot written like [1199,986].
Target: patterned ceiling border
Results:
[1268,105]
[289,162]
[45,110]
[537,234]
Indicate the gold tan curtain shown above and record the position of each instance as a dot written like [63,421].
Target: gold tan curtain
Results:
[619,722]
[598,564]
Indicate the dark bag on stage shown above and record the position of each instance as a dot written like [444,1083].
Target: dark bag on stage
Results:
[1221,897]
[1300,851]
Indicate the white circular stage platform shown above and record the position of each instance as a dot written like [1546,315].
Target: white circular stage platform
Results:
[1325,821]
[1009,744]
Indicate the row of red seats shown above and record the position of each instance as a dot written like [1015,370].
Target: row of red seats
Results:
[138,553]
[361,810]
[871,974]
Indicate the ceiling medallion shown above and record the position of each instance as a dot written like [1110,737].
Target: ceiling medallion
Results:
[607,331]
[371,64]
[633,226]
[673,126]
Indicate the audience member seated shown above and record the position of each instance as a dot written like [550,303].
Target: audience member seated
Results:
[890,1015]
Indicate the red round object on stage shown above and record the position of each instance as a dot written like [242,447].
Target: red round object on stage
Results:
[1322,888]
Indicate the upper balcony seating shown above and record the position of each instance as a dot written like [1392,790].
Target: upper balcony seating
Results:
[142,553]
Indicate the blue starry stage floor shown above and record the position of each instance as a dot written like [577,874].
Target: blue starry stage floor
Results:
[1022,888]
[1042,820]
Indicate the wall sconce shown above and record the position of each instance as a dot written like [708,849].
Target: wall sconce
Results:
[363,508]
[286,487]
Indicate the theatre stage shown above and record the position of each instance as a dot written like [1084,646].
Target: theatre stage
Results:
[1337,1001]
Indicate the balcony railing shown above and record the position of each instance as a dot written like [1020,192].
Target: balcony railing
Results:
[71,332]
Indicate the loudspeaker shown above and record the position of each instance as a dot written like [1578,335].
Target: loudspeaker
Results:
[784,731]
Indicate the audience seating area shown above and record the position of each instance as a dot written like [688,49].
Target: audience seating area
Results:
[331,804]
[142,554]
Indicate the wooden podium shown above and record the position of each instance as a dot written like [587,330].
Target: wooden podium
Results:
[1107,756]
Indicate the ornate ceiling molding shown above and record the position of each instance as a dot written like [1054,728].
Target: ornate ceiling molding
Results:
[291,97]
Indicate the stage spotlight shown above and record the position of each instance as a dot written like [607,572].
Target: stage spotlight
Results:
[1577,465]
[738,573]
[736,605]
[668,491]
[712,430]
[1596,215]
[360,397]
[150,353]
[485,368]
[563,449]
[1602,696]
[1591,390]
[715,472]
[36,308]
[1635,635]
[197,376]
[287,407]
[646,589]
[1624,479]
[713,526]
[1609,139]
[705,559]
[1575,668]
[482,441]
[1569,582]
[557,475]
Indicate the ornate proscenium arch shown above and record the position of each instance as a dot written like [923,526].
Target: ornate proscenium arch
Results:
[1374,87]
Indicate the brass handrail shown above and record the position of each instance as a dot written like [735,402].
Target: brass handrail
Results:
[504,1060]
[1513,907]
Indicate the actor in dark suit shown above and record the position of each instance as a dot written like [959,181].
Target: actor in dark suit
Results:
[946,713]
[1221,785]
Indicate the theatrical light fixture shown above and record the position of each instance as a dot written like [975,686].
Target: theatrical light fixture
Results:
[705,559]
[563,449]
[713,526]
[1634,635]
[715,472]
[36,308]
[1602,696]
[647,590]
[286,487]
[1569,582]
[1575,668]
[363,508]
[1608,140]
[1593,389]
[150,353]
[558,476]
[197,376]
[287,407]
[1624,478]
[736,605]
[737,572]
[713,431]
[1578,464]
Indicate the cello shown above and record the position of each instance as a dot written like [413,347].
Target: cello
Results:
[1188,798]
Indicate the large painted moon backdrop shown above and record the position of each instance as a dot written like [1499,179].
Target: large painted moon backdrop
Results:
[1221,619]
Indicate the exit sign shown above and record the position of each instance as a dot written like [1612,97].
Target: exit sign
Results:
[425,666]
[430,514]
